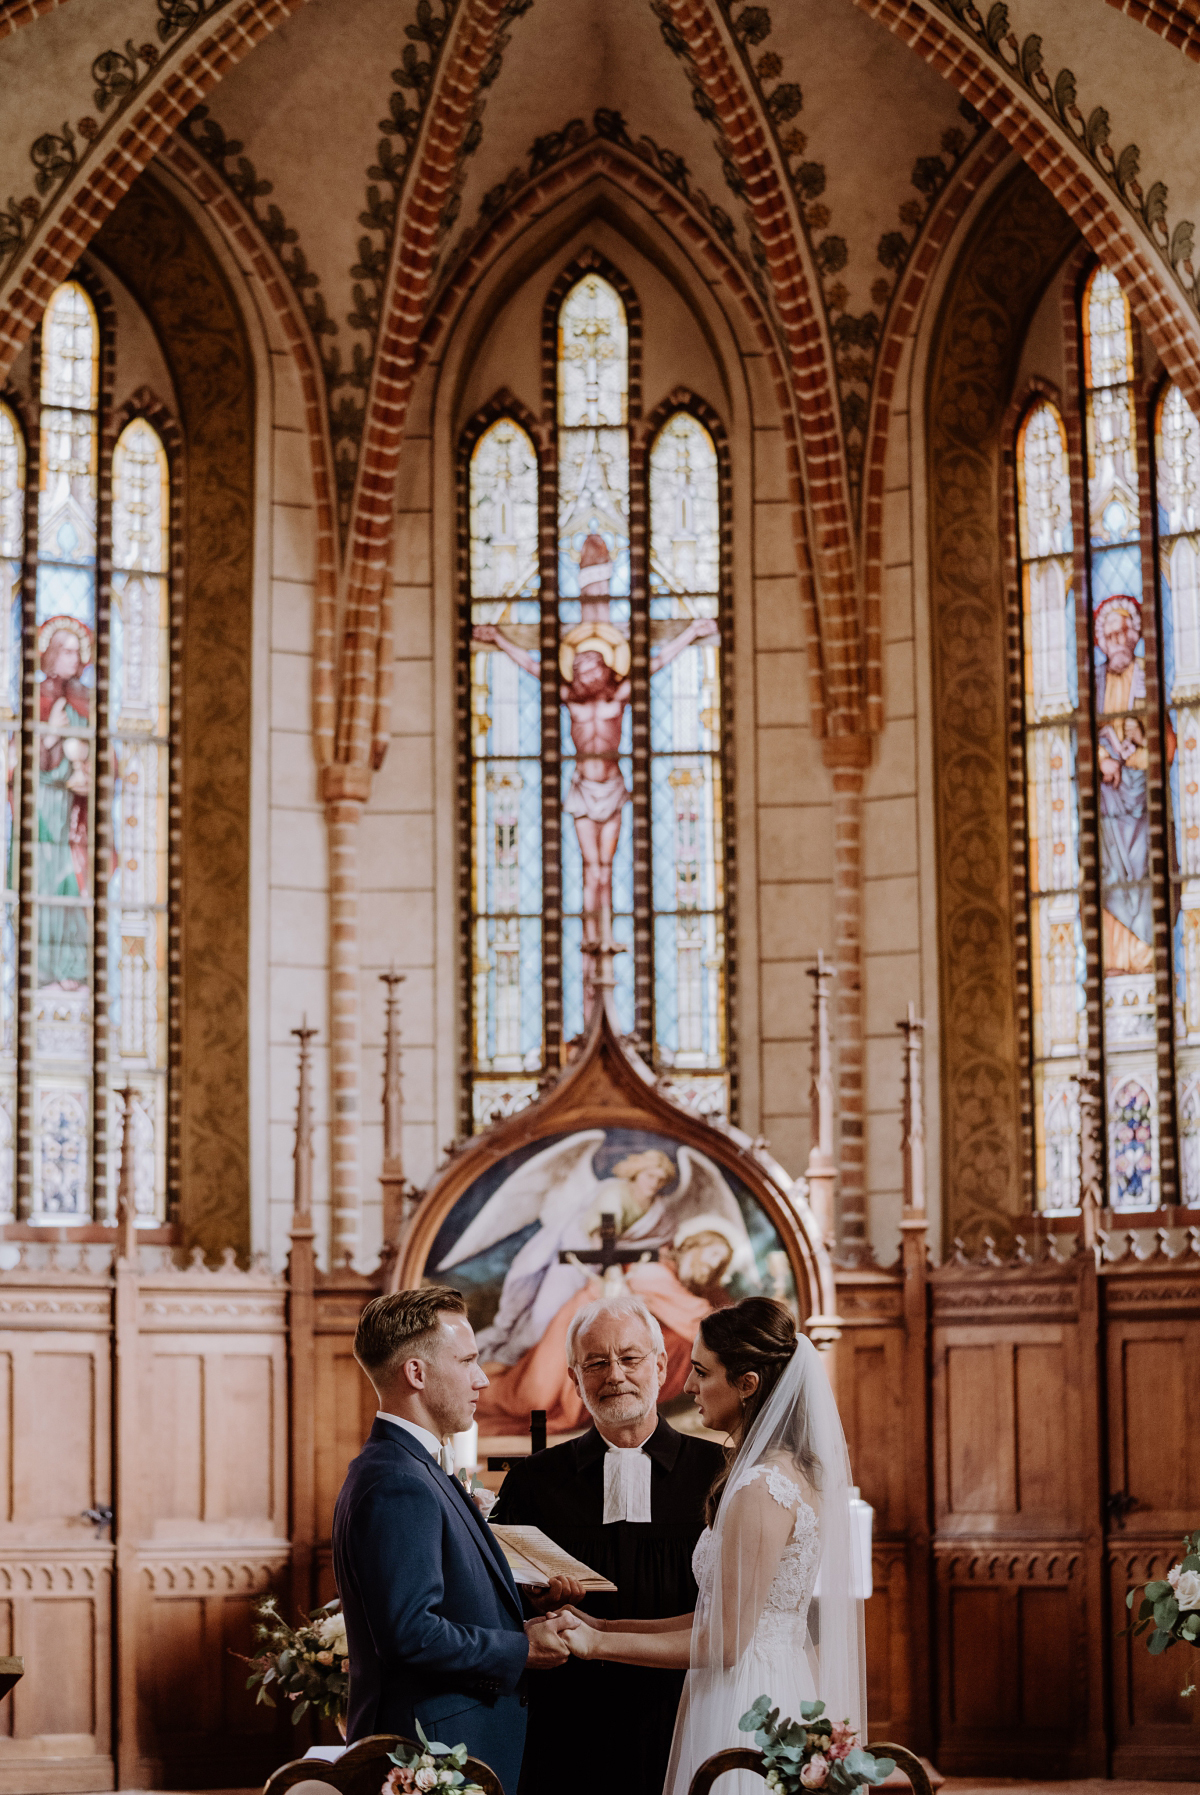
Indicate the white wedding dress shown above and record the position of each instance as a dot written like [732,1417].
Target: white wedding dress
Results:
[778,1660]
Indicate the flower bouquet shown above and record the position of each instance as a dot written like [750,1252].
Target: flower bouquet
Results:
[813,1752]
[434,1767]
[1172,1604]
[307,1664]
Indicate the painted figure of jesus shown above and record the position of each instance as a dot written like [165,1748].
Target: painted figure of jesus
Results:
[593,661]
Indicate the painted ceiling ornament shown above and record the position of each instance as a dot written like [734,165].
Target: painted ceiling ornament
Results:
[119,76]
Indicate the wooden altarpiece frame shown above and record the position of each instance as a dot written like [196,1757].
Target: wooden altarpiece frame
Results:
[609,1086]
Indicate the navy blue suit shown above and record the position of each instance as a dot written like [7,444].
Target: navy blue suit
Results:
[433,1618]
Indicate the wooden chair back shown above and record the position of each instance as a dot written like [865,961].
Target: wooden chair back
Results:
[361,1770]
[740,1757]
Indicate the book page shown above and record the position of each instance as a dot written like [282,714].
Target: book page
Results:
[534,1558]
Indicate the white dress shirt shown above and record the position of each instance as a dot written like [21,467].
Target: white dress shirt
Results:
[431,1443]
[626,1484]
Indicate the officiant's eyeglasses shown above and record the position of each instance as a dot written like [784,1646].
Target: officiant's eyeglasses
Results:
[628,1362]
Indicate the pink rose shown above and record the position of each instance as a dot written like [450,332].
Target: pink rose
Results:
[324,1657]
[399,1779]
[842,1743]
[815,1774]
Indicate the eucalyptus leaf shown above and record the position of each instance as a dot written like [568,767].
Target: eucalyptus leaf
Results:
[1158,1588]
[1166,1612]
[1159,1641]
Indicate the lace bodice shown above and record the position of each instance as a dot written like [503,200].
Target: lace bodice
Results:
[785,1612]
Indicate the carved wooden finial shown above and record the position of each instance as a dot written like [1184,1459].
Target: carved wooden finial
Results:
[821,1171]
[1091,1190]
[303,1152]
[126,1183]
[912,1145]
[393,1112]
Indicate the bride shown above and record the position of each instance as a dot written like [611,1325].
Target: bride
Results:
[778,1512]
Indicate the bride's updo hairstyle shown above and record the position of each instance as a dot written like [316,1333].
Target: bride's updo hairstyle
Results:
[758,1334]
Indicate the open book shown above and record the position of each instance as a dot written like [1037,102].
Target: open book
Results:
[533,1558]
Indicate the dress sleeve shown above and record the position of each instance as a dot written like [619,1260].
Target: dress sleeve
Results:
[752,1536]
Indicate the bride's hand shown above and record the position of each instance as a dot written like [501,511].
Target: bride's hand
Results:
[578,1617]
[582,1640]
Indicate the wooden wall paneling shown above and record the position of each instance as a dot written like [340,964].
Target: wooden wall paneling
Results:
[1156,1730]
[1014,1680]
[344,1402]
[55,1572]
[887,1445]
[208,1406]
[1154,1402]
[1012,1661]
[1151,1316]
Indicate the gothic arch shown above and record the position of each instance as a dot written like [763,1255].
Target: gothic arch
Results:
[151,242]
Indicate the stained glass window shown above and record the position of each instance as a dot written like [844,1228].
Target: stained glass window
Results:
[64,760]
[686,789]
[1051,694]
[505,772]
[139,733]
[557,679]
[85,736]
[1177,465]
[12,551]
[1122,726]
[594,655]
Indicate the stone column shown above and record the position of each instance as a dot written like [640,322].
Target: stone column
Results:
[848,757]
[345,790]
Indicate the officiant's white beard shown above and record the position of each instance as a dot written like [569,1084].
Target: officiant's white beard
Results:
[622,1408]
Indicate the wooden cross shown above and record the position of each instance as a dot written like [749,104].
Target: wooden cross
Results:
[608,1253]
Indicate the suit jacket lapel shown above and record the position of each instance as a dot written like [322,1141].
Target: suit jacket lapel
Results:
[485,1540]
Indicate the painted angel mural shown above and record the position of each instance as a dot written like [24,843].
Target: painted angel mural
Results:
[674,1210]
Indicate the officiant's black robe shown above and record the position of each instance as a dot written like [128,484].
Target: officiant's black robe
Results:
[596,1728]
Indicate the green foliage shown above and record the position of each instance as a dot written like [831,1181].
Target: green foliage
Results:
[788,1745]
[289,1662]
[1159,1613]
[433,1756]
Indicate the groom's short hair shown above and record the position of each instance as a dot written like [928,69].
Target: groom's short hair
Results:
[403,1325]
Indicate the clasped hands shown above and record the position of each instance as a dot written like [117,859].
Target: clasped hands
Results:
[558,1632]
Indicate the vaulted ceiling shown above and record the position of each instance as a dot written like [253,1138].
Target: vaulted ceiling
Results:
[365,145]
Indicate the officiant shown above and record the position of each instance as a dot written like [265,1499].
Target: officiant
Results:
[627,1497]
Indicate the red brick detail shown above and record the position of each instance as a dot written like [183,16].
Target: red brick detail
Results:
[1179,25]
[901,318]
[16,13]
[239,228]
[112,164]
[819,467]
[854,1246]
[1103,221]
[448,115]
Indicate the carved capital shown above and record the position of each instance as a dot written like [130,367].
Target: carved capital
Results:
[340,782]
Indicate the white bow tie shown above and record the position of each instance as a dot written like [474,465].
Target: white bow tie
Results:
[626,1484]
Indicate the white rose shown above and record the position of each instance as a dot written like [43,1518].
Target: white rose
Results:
[426,1779]
[446,1776]
[1187,1589]
[484,1500]
[324,1657]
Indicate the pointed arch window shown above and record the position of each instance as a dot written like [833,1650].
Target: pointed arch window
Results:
[1111,693]
[85,732]
[596,636]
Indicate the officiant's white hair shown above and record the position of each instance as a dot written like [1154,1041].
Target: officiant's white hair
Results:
[612,1305]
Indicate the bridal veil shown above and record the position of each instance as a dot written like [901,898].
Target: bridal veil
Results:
[741,1648]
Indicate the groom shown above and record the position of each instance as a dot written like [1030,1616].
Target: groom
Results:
[433,1619]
